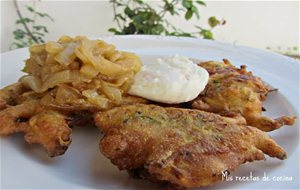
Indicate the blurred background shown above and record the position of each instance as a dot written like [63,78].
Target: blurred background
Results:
[272,25]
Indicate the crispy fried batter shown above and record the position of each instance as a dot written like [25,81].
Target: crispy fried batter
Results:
[15,119]
[41,126]
[236,91]
[185,148]
[10,94]
[129,100]
[50,129]
[2,104]
[23,111]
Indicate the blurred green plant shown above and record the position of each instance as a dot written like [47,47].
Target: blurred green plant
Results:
[288,51]
[28,32]
[139,17]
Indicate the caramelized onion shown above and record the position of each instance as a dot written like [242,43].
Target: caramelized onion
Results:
[80,71]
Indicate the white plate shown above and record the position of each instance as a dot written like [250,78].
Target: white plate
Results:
[83,167]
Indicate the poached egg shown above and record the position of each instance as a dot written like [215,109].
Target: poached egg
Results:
[170,80]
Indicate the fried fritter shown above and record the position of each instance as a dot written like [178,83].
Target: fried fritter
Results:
[10,94]
[236,91]
[181,147]
[50,129]
[22,111]
[15,119]
[46,127]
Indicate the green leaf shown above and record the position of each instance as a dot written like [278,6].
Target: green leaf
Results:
[24,20]
[145,15]
[155,17]
[44,15]
[169,7]
[40,39]
[138,19]
[213,21]
[38,28]
[207,34]
[19,34]
[195,10]
[184,34]
[139,1]
[187,4]
[200,2]
[128,12]
[180,34]
[30,9]
[158,29]
[188,15]
[113,30]
[130,29]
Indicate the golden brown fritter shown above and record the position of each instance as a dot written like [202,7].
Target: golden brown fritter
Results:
[10,94]
[23,111]
[40,126]
[50,129]
[182,147]
[15,119]
[236,91]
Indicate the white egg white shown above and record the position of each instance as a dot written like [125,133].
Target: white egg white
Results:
[169,80]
